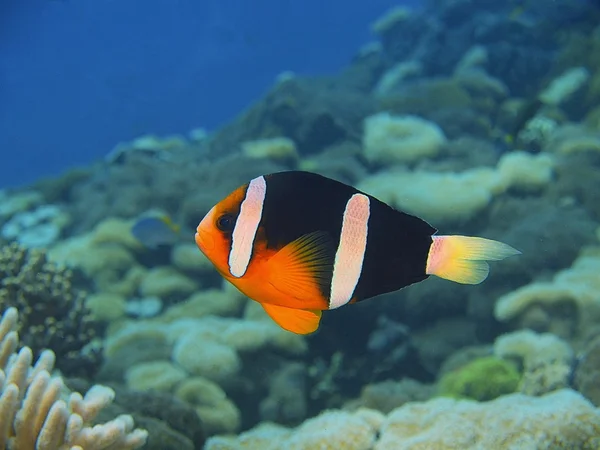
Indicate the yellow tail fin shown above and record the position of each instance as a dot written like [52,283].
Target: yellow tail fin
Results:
[463,259]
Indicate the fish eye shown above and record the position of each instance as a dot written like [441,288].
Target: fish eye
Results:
[225,222]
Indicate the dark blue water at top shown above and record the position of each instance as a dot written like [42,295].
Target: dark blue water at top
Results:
[78,76]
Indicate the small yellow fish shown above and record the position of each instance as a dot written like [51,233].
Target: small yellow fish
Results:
[154,231]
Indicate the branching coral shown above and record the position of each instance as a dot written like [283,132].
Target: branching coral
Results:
[33,414]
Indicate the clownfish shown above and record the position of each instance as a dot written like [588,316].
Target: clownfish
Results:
[299,243]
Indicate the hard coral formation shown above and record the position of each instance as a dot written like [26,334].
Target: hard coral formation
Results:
[562,419]
[462,114]
[167,283]
[187,258]
[545,360]
[287,400]
[559,420]
[564,86]
[15,202]
[389,395]
[33,415]
[315,114]
[218,413]
[38,228]
[200,357]
[482,379]
[330,430]
[437,197]
[396,139]
[587,372]
[277,149]
[53,312]
[105,255]
[450,197]
[567,305]
[171,423]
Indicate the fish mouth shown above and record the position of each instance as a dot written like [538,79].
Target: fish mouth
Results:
[204,241]
[204,237]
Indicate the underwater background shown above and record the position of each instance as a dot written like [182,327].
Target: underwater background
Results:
[122,125]
[117,70]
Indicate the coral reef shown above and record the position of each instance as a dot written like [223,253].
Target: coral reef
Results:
[396,139]
[314,113]
[329,430]
[206,376]
[546,361]
[172,424]
[482,379]
[38,228]
[52,309]
[515,421]
[567,305]
[389,395]
[481,117]
[588,370]
[32,413]
[559,420]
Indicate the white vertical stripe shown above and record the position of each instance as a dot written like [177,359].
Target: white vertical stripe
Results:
[246,226]
[351,251]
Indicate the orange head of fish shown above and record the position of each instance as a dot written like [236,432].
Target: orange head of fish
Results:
[214,233]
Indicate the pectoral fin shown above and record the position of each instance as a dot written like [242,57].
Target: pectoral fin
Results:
[303,268]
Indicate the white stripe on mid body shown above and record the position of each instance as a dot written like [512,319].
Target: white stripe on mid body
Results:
[246,226]
[351,251]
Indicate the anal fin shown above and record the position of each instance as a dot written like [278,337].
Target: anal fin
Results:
[299,321]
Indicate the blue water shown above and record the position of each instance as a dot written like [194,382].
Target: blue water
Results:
[78,76]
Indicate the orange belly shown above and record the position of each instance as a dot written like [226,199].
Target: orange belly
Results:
[259,287]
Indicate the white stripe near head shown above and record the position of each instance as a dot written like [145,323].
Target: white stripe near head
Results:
[242,240]
[351,251]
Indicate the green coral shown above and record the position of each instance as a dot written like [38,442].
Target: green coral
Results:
[482,379]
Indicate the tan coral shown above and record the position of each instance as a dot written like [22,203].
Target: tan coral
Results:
[334,430]
[546,359]
[212,360]
[330,430]
[34,416]
[162,376]
[186,257]
[105,262]
[277,149]
[209,302]
[447,197]
[437,197]
[392,139]
[266,436]
[568,305]
[165,282]
[106,306]
[115,231]
[560,420]
[217,412]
